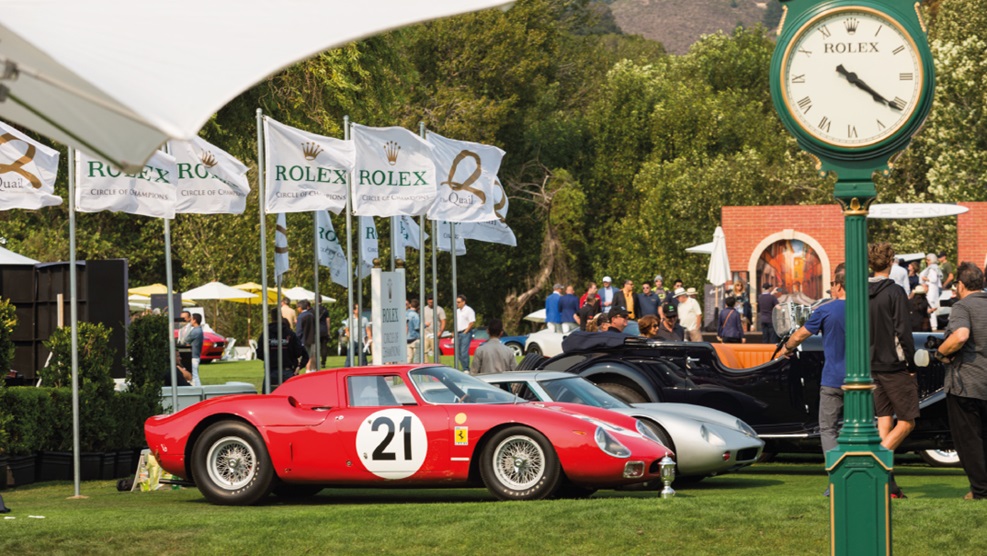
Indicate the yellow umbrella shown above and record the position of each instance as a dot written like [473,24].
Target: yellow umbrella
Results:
[149,290]
[255,288]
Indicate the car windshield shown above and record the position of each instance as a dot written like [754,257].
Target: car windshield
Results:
[446,385]
[581,391]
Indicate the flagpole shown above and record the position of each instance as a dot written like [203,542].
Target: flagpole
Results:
[169,280]
[435,297]
[349,250]
[277,280]
[74,315]
[359,293]
[455,296]
[421,274]
[315,302]
[263,249]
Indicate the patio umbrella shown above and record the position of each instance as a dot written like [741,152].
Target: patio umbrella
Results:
[537,316]
[148,291]
[217,290]
[299,292]
[255,288]
[719,264]
[117,78]
[703,249]
[9,257]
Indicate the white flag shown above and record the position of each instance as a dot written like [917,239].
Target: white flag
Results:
[394,172]
[370,249]
[27,172]
[445,238]
[151,192]
[210,180]
[280,248]
[501,204]
[467,173]
[410,236]
[331,253]
[494,231]
[305,171]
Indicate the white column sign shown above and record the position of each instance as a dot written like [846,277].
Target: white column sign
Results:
[389,317]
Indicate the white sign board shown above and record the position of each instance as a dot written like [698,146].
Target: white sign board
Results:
[914,210]
[389,317]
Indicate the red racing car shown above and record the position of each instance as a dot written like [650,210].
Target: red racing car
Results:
[410,425]
[213,346]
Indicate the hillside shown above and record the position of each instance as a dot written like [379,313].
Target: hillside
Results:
[679,23]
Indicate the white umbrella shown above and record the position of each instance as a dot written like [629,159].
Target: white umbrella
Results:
[537,316]
[9,257]
[299,292]
[719,264]
[117,78]
[704,249]
[216,290]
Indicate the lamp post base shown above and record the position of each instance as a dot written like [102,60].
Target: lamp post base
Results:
[859,494]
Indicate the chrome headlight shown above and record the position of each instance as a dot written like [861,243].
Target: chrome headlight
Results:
[711,436]
[746,429]
[645,431]
[610,445]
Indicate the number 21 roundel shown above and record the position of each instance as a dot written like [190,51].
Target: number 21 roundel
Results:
[392,443]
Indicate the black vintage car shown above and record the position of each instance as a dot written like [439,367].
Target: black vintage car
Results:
[778,397]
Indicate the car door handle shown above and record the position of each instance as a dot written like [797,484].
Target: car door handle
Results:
[691,360]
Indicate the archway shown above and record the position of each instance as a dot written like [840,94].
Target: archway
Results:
[794,260]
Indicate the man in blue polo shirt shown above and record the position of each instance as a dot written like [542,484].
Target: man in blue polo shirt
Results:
[830,319]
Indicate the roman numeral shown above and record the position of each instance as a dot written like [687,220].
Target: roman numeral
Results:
[824,124]
[851,131]
[898,103]
[880,125]
[805,104]
[898,50]
[825,31]
[905,76]
[879,27]
[808,53]
[798,78]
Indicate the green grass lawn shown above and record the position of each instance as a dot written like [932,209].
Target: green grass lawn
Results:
[774,508]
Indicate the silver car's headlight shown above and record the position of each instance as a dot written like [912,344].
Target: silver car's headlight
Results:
[746,429]
[711,436]
[611,445]
[645,431]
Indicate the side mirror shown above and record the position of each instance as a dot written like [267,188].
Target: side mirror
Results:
[922,358]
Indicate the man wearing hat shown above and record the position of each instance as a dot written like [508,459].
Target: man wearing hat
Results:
[669,328]
[553,316]
[918,308]
[607,295]
[931,278]
[618,320]
[690,314]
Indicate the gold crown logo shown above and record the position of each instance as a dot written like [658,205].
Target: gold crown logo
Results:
[851,25]
[311,150]
[207,159]
[391,150]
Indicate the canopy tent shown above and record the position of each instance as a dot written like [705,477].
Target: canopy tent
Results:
[9,257]
[111,77]
[217,290]
[704,249]
[299,292]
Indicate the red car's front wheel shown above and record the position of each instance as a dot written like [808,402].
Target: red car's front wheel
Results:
[230,464]
[520,464]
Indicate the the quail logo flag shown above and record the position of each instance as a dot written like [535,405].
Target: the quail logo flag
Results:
[27,172]
[394,173]
[305,172]
[331,253]
[210,180]
[494,231]
[150,192]
[467,176]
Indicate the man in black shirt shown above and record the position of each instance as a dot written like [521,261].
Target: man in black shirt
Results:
[765,305]
[669,328]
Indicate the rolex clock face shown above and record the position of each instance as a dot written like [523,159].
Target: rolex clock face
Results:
[851,77]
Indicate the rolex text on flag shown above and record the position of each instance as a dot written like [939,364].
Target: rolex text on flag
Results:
[394,173]
[210,180]
[27,172]
[150,192]
[305,171]
[280,248]
[331,253]
[369,246]
[467,176]
[409,234]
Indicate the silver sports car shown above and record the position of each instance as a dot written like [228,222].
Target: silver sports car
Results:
[706,442]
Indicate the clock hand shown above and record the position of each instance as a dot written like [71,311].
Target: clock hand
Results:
[852,78]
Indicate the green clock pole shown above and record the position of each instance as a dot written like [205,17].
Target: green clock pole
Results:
[860,511]
[817,92]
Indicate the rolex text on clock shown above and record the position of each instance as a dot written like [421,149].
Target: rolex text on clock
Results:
[851,77]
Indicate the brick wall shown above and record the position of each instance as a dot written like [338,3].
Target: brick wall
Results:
[971,234]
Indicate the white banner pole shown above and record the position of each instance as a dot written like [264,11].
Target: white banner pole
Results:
[315,302]
[455,299]
[435,296]
[349,252]
[263,249]
[169,280]
[421,275]
[74,315]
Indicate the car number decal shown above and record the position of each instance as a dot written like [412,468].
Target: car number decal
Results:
[462,436]
[392,443]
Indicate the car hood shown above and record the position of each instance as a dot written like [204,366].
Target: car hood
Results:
[695,412]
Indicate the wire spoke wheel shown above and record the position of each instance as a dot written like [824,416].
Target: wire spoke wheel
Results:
[519,462]
[231,463]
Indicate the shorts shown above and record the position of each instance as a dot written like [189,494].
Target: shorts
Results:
[896,393]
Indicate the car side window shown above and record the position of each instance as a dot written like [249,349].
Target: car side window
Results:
[519,389]
[378,391]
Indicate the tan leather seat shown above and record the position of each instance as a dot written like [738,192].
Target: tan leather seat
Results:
[744,356]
